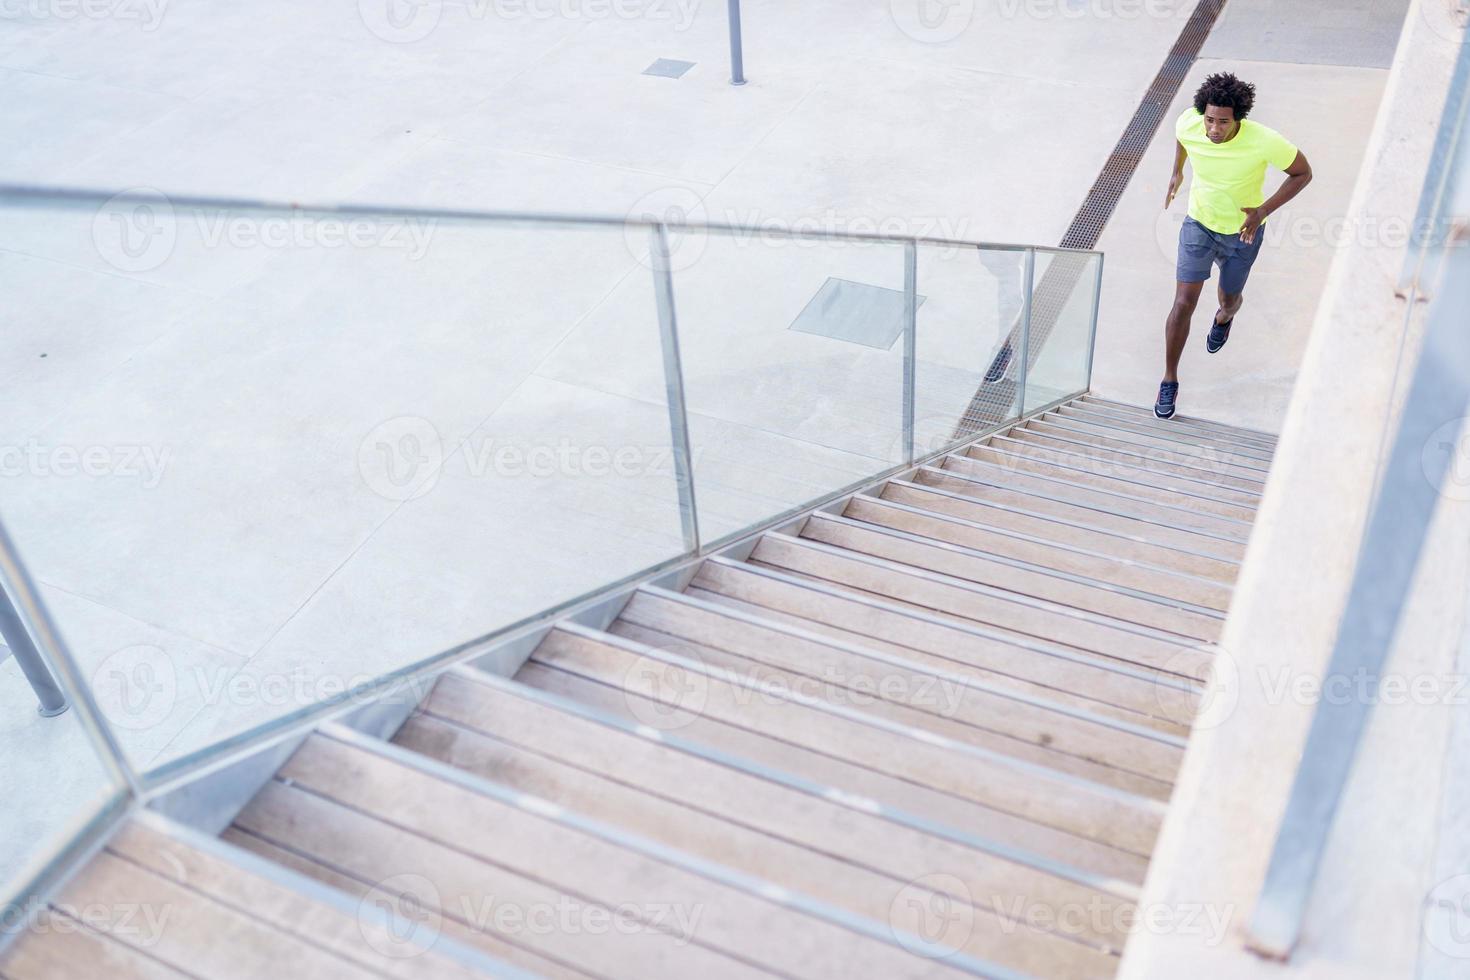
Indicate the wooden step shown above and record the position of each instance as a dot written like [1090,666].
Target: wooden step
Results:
[1064,556]
[355,802]
[908,690]
[1204,425]
[1116,639]
[180,904]
[1144,459]
[1140,479]
[949,499]
[684,689]
[1199,457]
[853,776]
[841,853]
[1011,462]
[1028,666]
[1148,425]
[1045,498]
[1088,595]
[1090,428]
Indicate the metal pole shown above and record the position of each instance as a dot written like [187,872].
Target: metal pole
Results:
[53,702]
[1092,330]
[668,330]
[1029,275]
[910,342]
[737,58]
[37,621]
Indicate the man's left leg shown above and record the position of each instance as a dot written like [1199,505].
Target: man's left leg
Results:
[1229,305]
[1235,268]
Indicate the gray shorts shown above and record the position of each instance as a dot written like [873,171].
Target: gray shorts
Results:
[1199,248]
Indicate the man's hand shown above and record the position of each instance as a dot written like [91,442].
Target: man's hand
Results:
[1253,219]
[1174,184]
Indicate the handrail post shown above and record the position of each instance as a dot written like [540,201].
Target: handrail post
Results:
[23,649]
[1029,276]
[668,331]
[737,54]
[910,342]
[37,622]
[1092,329]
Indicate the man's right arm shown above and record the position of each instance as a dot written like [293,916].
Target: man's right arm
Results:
[1176,179]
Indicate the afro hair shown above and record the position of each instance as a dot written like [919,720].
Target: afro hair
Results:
[1223,89]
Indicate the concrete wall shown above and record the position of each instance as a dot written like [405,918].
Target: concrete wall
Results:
[1394,844]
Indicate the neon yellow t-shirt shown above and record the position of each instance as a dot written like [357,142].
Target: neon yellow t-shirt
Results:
[1231,175]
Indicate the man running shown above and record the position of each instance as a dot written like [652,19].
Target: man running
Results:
[1227,206]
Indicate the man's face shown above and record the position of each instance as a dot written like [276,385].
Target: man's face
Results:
[1219,123]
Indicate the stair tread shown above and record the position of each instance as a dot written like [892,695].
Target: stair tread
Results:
[1199,456]
[1056,741]
[803,841]
[670,692]
[1195,420]
[1176,428]
[1065,555]
[1143,459]
[200,896]
[1121,540]
[479,839]
[1062,590]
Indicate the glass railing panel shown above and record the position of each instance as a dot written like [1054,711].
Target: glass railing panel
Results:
[260,457]
[792,353]
[62,785]
[1063,315]
[970,305]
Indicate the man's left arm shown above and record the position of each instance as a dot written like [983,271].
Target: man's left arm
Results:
[1298,175]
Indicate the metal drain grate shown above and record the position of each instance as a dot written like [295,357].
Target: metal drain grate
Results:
[997,399]
[1098,206]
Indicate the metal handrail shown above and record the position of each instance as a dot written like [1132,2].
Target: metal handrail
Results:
[1398,522]
[44,196]
[23,649]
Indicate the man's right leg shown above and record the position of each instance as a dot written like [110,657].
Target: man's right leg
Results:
[1176,327]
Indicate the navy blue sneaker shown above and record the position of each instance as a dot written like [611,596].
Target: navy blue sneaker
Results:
[1168,392]
[1219,333]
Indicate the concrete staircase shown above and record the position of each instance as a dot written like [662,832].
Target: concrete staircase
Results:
[929,733]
